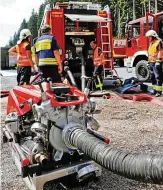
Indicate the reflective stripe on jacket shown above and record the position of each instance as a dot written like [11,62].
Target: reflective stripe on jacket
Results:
[22,59]
[44,50]
[153,52]
[97,58]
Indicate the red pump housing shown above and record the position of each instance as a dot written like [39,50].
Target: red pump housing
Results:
[19,95]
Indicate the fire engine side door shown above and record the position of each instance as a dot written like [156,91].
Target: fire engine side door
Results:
[149,24]
[134,43]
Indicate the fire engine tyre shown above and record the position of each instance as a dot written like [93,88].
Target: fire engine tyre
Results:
[142,71]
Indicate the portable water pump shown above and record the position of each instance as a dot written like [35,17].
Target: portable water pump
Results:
[51,131]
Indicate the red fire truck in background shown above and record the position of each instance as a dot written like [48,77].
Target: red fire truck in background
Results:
[75,25]
[137,43]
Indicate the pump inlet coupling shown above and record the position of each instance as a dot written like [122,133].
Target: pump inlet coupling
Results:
[142,167]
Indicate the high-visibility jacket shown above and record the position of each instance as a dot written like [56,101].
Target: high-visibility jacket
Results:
[153,51]
[22,59]
[97,58]
[44,50]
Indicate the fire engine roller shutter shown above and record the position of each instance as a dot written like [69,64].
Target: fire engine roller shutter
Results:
[87,18]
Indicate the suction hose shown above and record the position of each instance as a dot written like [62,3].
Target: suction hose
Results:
[143,167]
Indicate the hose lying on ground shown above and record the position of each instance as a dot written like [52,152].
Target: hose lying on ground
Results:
[144,167]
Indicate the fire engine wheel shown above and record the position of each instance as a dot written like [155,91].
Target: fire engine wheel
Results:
[142,71]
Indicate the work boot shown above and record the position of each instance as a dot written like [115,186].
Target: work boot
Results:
[158,94]
[153,92]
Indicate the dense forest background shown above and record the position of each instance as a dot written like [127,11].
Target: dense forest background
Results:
[121,10]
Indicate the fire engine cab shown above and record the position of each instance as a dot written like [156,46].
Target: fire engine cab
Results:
[75,25]
[137,43]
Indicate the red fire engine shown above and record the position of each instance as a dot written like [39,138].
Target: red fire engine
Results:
[137,43]
[75,25]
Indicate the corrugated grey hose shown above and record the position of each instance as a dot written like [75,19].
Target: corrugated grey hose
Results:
[143,167]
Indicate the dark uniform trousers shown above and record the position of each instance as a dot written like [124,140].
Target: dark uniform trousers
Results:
[50,71]
[23,75]
[97,73]
[156,74]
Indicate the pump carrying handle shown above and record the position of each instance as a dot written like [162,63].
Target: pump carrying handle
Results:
[82,98]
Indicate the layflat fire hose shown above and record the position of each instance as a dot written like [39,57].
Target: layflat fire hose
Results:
[143,167]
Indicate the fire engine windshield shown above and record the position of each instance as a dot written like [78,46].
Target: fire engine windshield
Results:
[86,18]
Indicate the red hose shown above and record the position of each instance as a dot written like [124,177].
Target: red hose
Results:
[137,97]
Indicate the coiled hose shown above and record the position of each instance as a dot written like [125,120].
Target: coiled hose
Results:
[143,167]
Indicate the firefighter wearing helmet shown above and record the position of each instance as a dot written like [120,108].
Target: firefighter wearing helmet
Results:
[47,55]
[155,59]
[24,58]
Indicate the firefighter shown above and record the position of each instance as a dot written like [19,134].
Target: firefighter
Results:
[155,59]
[24,57]
[98,60]
[47,55]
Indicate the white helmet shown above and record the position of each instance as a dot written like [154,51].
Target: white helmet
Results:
[151,33]
[23,35]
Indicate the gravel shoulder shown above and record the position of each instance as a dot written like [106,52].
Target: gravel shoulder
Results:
[131,126]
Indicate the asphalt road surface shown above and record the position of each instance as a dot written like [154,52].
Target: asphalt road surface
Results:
[122,72]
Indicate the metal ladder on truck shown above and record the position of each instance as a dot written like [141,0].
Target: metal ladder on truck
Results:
[106,49]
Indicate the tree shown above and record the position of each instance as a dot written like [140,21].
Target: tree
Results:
[121,11]
[51,2]
[15,38]
[40,15]
[134,14]
[149,6]
[11,42]
[32,24]
[155,6]
[23,25]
